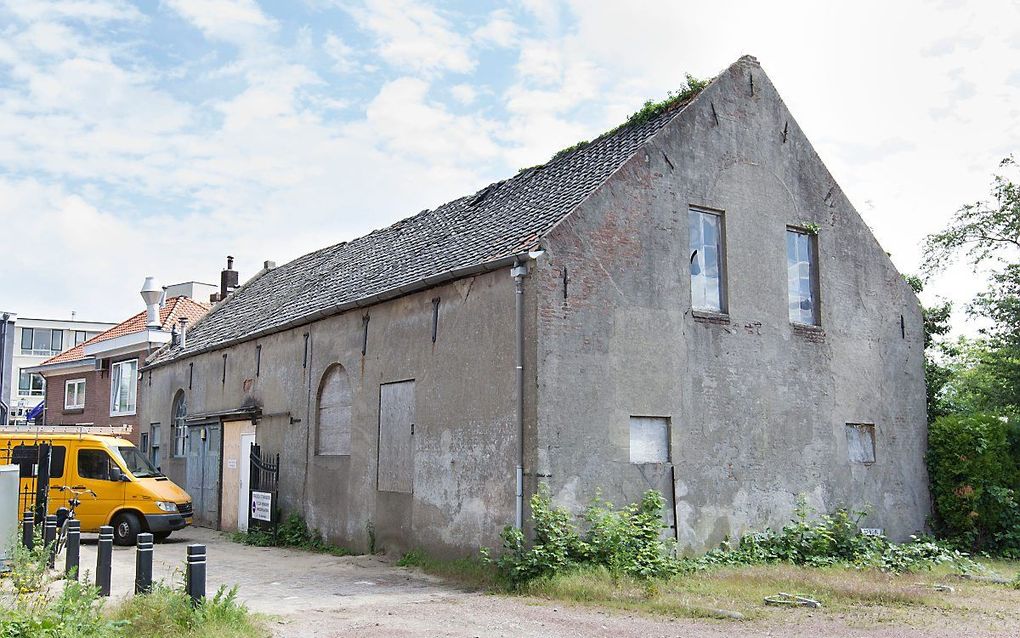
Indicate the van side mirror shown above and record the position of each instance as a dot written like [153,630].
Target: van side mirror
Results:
[116,475]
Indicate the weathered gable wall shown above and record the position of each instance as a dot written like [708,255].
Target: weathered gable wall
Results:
[758,407]
[464,439]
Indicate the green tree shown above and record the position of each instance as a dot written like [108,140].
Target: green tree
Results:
[936,373]
[988,234]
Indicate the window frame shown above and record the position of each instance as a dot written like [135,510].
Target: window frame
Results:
[115,388]
[814,275]
[178,427]
[871,433]
[78,405]
[84,337]
[667,432]
[29,391]
[721,249]
[111,463]
[346,400]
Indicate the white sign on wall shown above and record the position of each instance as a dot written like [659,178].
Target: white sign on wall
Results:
[872,531]
[262,506]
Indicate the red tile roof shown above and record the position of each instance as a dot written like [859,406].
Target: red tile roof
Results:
[169,315]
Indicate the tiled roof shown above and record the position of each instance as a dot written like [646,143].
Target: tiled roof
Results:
[169,315]
[497,222]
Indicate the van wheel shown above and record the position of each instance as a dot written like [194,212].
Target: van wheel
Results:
[125,528]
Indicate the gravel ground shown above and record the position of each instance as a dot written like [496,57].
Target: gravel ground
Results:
[314,595]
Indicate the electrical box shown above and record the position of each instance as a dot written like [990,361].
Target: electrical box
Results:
[10,481]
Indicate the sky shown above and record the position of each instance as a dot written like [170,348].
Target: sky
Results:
[156,137]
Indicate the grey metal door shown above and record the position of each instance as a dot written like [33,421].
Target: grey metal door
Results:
[396,437]
[203,472]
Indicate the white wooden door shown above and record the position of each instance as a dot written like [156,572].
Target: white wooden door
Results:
[244,458]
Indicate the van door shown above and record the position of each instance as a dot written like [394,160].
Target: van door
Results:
[93,470]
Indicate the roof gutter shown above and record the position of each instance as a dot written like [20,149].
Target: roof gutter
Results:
[364,302]
[43,368]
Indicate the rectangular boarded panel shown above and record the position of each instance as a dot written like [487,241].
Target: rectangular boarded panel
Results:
[649,439]
[396,437]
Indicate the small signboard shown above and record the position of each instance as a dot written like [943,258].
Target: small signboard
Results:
[262,506]
[872,531]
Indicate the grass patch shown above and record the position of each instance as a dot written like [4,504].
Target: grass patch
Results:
[293,532]
[168,613]
[729,592]
[472,573]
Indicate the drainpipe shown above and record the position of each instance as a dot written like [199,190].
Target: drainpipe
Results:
[519,272]
[4,408]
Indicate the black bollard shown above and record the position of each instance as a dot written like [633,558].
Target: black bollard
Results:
[104,560]
[196,573]
[28,530]
[50,538]
[73,548]
[143,564]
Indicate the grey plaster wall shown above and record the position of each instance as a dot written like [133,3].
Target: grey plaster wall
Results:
[757,406]
[465,434]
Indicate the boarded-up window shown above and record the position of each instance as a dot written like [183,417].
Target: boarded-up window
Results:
[860,442]
[649,439]
[333,428]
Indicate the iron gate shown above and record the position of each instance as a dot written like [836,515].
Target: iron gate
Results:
[263,490]
[34,469]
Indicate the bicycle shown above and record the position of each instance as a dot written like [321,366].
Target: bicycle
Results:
[72,503]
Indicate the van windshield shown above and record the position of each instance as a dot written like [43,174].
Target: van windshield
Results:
[135,461]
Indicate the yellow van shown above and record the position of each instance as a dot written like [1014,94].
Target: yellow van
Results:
[131,494]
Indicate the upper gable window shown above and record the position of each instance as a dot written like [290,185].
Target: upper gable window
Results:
[333,429]
[802,276]
[123,387]
[707,261]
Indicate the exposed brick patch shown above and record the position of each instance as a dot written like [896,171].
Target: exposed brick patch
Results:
[716,318]
[814,334]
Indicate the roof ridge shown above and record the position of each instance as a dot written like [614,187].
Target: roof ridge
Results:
[501,219]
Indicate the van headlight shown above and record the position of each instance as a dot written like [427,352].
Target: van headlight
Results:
[166,506]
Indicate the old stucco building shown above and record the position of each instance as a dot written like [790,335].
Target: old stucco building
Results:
[688,303]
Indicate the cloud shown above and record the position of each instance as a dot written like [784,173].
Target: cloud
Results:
[341,54]
[500,30]
[88,10]
[414,36]
[464,93]
[235,21]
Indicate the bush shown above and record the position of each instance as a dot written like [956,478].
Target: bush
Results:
[75,613]
[973,471]
[832,540]
[168,613]
[628,542]
[292,532]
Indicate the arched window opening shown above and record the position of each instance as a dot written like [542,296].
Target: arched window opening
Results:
[333,409]
[180,429]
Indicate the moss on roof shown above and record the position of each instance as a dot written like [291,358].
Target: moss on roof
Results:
[648,110]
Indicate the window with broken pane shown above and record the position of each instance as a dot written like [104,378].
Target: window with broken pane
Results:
[706,261]
[801,276]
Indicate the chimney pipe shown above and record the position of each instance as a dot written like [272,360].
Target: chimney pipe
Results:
[228,279]
[151,291]
[184,331]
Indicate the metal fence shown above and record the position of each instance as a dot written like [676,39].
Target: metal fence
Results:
[37,463]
